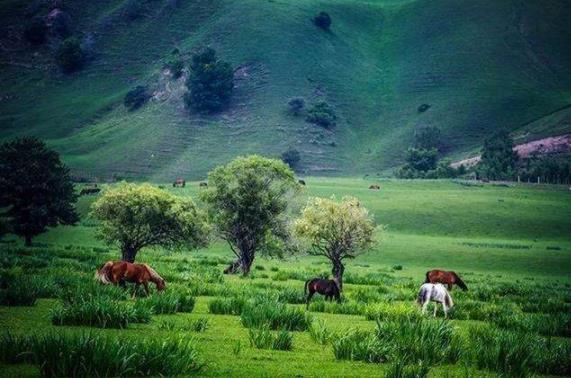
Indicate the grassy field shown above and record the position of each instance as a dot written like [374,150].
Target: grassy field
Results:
[510,244]
[479,64]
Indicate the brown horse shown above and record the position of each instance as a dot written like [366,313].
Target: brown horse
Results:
[119,272]
[445,278]
[329,288]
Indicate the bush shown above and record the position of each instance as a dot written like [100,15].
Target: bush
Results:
[322,20]
[276,316]
[69,55]
[69,354]
[136,97]
[210,82]
[291,157]
[36,30]
[322,114]
[226,306]
[296,105]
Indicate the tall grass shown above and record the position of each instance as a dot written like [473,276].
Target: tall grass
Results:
[226,306]
[400,370]
[78,355]
[275,315]
[264,338]
[392,311]
[21,291]
[169,303]
[319,332]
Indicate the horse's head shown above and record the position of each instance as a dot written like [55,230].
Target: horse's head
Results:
[161,284]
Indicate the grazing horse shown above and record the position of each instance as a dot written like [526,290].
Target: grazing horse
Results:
[329,288]
[436,293]
[446,278]
[119,272]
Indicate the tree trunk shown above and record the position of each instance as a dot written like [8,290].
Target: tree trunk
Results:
[246,261]
[128,254]
[337,271]
[28,240]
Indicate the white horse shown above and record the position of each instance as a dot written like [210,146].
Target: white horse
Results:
[436,293]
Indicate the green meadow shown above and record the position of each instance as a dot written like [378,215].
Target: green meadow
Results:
[510,244]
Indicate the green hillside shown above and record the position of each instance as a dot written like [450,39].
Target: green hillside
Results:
[479,64]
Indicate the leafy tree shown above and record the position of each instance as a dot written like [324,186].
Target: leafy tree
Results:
[427,137]
[422,159]
[498,160]
[36,191]
[248,199]
[36,30]
[322,114]
[136,97]
[210,83]
[291,157]
[336,230]
[322,20]
[69,55]
[296,105]
[139,216]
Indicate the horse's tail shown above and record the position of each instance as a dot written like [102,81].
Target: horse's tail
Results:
[448,300]
[422,294]
[305,287]
[460,283]
[103,275]
[154,275]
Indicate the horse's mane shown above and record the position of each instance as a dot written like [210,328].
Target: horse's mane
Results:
[154,275]
[103,274]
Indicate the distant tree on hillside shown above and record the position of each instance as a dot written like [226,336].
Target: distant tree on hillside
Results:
[36,30]
[336,230]
[210,83]
[69,55]
[291,157]
[322,114]
[322,20]
[248,200]
[296,105]
[498,160]
[134,217]
[36,191]
[136,97]
[427,137]
[422,159]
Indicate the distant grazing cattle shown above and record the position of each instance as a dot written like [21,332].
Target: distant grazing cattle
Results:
[375,187]
[203,184]
[89,191]
[179,183]
[302,182]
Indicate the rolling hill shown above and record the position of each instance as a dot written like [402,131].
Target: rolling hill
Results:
[479,64]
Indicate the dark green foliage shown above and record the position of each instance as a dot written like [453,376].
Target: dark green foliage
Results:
[549,169]
[21,291]
[296,105]
[322,114]
[210,83]
[427,138]
[498,160]
[176,66]
[136,97]
[69,55]
[422,159]
[36,30]
[322,20]
[65,354]
[291,157]
[36,191]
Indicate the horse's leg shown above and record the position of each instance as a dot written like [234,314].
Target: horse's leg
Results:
[435,308]
[449,287]
[309,296]
[135,288]
[146,286]
[445,308]
[424,306]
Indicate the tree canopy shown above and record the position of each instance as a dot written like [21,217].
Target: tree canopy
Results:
[138,216]
[248,200]
[499,160]
[336,230]
[36,191]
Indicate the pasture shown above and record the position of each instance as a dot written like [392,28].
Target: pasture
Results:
[510,244]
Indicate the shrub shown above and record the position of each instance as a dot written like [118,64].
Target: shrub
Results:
[36,30]
[319,332]
[69,354]
[296,105]
[276,316]
[226,306]
[322,20]
[291,157]
[69,55]
[322,114]
[136,97]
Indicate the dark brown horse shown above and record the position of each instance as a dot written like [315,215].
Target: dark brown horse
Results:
[445,278]
[119,272]
[329,288]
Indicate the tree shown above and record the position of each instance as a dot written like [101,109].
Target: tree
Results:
[291,157]
[322,20]
[336,230]
[36,191]
[36,30]
[136,97]
[427,137]
[210,82]
[422,159]
[69,55]
[139,216]
[296,105]
[248,199]
[498,160]
[322,114]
